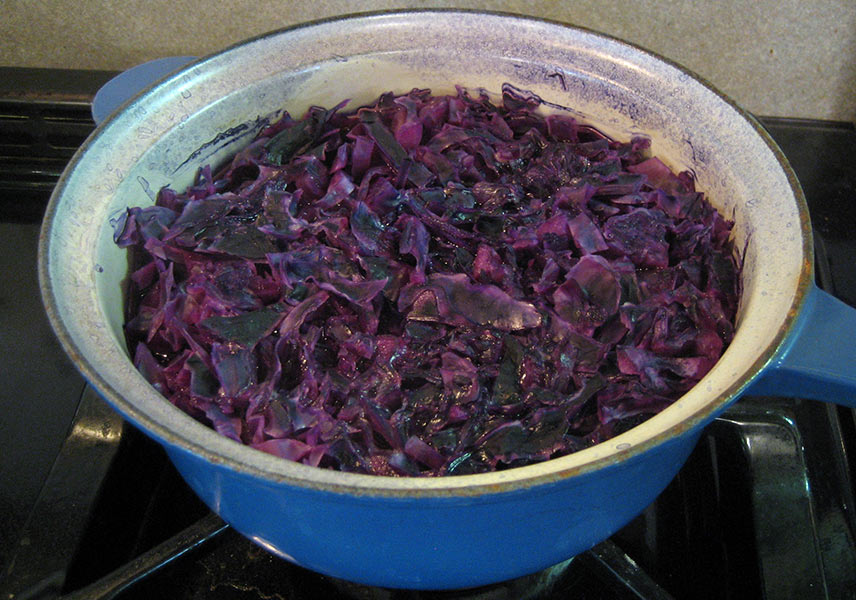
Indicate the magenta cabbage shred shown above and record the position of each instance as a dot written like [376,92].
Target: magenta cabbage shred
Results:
[429,285]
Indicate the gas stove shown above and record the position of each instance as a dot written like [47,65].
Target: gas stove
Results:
[90,508]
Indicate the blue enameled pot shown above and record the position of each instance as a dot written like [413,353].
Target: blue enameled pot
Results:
[469,530]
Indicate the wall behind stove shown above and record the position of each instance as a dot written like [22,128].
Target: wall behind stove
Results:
[775,57]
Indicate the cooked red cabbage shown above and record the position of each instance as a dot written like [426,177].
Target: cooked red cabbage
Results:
[430,286]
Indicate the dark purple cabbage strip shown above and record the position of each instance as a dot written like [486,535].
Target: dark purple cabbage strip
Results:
[429,285]
[389,146]
[246,329]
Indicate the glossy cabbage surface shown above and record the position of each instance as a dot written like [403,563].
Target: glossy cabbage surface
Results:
[429,286]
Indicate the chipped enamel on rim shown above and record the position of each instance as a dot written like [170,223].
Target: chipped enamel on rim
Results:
[693,126]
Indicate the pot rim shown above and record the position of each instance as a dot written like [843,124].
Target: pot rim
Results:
[221,451]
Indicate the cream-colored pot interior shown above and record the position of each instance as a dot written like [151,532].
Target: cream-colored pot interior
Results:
[212,108]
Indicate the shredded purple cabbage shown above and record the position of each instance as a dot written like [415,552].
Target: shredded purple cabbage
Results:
[429,286]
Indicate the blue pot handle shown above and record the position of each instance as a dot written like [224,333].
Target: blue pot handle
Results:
[819,359]
[128,84]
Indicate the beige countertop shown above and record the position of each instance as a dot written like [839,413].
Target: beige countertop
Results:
[785,57]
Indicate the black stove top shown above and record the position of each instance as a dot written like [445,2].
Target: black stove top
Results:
[91,509]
